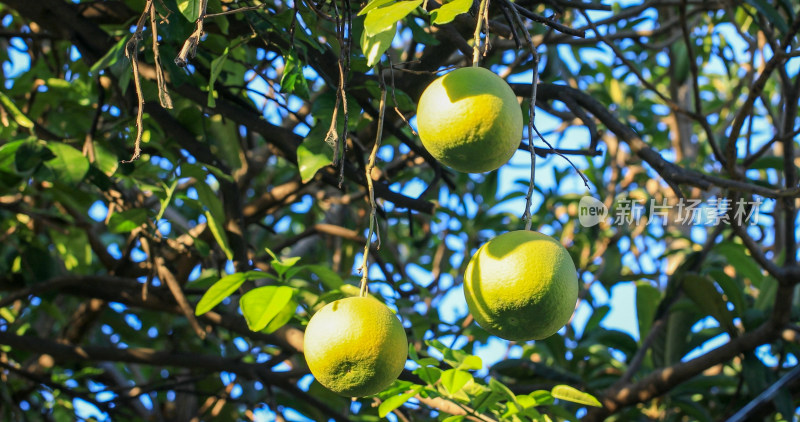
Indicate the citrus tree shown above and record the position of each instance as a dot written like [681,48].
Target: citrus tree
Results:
[184,184]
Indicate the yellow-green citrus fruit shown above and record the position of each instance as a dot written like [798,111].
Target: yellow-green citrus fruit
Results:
[470,120]
[521,285]
[355,346]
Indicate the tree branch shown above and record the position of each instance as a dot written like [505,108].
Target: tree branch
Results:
[660,381]
[668,170]
[83,354]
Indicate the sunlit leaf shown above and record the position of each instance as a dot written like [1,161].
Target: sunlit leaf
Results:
[190,9]
[116,53]
[15,112]
[454,380]
[571,394]
[125,221]
[375,45]
[215,225]
[69,165]
[388,405]
[384,17]
[219,291]
[312,155]
[449,11]
[293,81]
[262,304]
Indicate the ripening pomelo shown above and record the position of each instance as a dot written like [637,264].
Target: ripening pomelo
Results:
[521,285]
[470,120]
[355,346]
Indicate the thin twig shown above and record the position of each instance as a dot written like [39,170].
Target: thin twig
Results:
[189,48]
[88,142]
[746,413]
[163,93]
[649,85]
[483,11]
[394,98]
[169,279]
[580,173]
[747,107]
[131,52]
[549,22]
[526,216]
[698,104]
[237,10]
[373,226]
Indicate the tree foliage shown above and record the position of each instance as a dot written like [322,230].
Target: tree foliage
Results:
[183,183]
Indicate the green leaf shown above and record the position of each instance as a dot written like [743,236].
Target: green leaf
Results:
[732,290]
[327,276]
[542,397]
[596,318]
[429,374]
[73,247]
[215,6]
[429,361]
[112,56]
[282,318]
[765,8]
[190,9]
[219,291]
[647,299]
[282,265]
[384,17]
[15,112]
[219,174]
[170,191]
[612,266]
[215,215]
[219,234]
[392,403]
[209,199]
[454,418]
[471,362]
[7,315]
[375,45]
[738,257]
[293,81]
[764,163]
[69,165]
[704,294]
[216,68]
[449,11]
[454,380]
[24,157]
[766,294]
[312,155]
[500,388]
[105,160]
[373,5]
[567,393]
[125,221]
[412,352]
[262,304]
[679,324]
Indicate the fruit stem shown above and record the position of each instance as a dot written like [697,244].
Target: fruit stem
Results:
[531,114]
[483,19]
[373,227]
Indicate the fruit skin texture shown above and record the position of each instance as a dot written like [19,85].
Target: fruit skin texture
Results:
[355,346]
[470,120]
[521,285]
